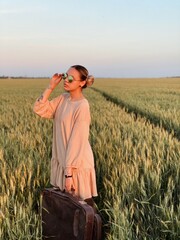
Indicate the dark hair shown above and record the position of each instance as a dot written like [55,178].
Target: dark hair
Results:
[84,75]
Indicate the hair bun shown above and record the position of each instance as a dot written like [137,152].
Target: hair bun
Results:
[89,81]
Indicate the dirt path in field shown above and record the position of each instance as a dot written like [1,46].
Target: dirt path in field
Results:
[152,118]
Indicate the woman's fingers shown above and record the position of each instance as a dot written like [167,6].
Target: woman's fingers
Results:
[68,184]
[56,77]
[55,80]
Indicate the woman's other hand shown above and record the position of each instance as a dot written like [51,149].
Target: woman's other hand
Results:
[68,184]
[55,80]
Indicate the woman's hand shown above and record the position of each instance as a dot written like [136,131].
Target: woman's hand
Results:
[69,184]
[55,80]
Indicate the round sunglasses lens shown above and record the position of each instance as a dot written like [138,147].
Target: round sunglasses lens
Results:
[70,79]
[64,76]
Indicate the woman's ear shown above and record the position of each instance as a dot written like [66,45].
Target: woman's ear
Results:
[82,83]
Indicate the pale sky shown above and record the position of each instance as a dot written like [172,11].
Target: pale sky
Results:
[111,38]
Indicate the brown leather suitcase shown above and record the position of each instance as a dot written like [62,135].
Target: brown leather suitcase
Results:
[64,217]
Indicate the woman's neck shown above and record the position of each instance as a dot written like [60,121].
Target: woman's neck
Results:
[77,95]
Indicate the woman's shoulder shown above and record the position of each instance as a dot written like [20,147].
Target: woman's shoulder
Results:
[83,106]
[83,103]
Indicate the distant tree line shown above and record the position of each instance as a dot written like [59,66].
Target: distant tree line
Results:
[20,77]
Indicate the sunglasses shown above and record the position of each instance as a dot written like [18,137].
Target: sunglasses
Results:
[69,78]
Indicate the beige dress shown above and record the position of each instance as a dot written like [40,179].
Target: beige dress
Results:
[71,151]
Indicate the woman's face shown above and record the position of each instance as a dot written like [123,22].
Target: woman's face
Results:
[75,83]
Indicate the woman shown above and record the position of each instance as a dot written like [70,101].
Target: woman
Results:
[72,163]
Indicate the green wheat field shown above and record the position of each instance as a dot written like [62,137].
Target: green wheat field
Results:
[135,137]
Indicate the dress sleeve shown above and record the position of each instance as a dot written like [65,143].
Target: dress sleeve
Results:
[78,141]
[48,108]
